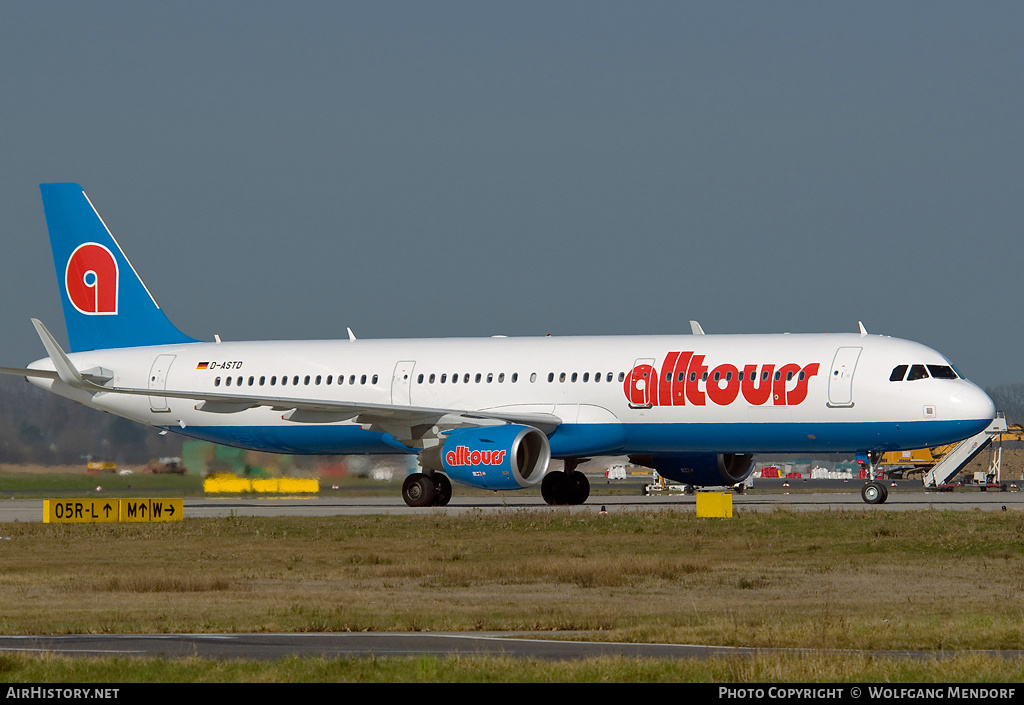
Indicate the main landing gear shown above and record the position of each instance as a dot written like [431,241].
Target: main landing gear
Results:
[427,490]
[565,488]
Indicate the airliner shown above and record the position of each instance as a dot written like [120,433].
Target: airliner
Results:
[494,412]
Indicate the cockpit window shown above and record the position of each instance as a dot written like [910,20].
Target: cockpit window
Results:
[923,372]
[917,372]
[942,371]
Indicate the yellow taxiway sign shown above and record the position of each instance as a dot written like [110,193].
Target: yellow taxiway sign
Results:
[95,510]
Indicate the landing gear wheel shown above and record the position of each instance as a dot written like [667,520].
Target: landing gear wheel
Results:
[442,490]
[554,488]
[580,488]
[560,489]
[418,490]
[874,493]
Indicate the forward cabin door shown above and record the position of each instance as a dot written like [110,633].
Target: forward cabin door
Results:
[401,383]
[158,380]
[840,379]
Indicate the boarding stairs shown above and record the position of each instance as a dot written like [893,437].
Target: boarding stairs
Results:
[963,453]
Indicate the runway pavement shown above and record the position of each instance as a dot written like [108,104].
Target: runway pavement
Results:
[800,497]
[344,645]
[395,644]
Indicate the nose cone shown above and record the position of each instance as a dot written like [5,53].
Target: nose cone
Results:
[974,406]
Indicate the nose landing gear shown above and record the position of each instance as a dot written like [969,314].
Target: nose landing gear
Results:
[873,491]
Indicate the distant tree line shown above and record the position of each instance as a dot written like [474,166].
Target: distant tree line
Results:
[1009,399]
[37,427]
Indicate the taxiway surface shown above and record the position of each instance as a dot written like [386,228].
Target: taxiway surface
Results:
[27,510]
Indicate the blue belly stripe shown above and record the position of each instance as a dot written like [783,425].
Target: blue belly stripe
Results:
[577,440]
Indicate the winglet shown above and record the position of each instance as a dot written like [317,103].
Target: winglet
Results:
[65,369]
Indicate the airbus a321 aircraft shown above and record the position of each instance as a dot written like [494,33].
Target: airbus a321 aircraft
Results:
[492,412]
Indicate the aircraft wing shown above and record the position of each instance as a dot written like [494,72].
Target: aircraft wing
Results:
[405,423]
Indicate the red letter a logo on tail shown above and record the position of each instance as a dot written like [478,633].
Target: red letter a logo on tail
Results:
[91,280]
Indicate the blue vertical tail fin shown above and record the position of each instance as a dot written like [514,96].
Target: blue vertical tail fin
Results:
[106,305]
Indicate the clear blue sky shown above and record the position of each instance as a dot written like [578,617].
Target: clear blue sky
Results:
[285,170]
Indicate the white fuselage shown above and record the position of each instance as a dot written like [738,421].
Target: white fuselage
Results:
[613,395]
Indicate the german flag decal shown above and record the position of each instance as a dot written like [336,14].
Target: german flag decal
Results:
[202,365]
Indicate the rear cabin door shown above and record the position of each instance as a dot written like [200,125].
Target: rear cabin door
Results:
[158,380]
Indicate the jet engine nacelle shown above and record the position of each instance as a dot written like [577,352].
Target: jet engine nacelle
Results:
[492,457]
[709,469]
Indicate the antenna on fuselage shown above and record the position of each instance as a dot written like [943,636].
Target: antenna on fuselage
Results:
[695,328]
[351,335]
[863,330]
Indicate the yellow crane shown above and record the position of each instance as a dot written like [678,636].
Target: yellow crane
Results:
[919,461]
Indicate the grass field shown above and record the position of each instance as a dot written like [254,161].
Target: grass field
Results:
[805,668]
[817,581]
